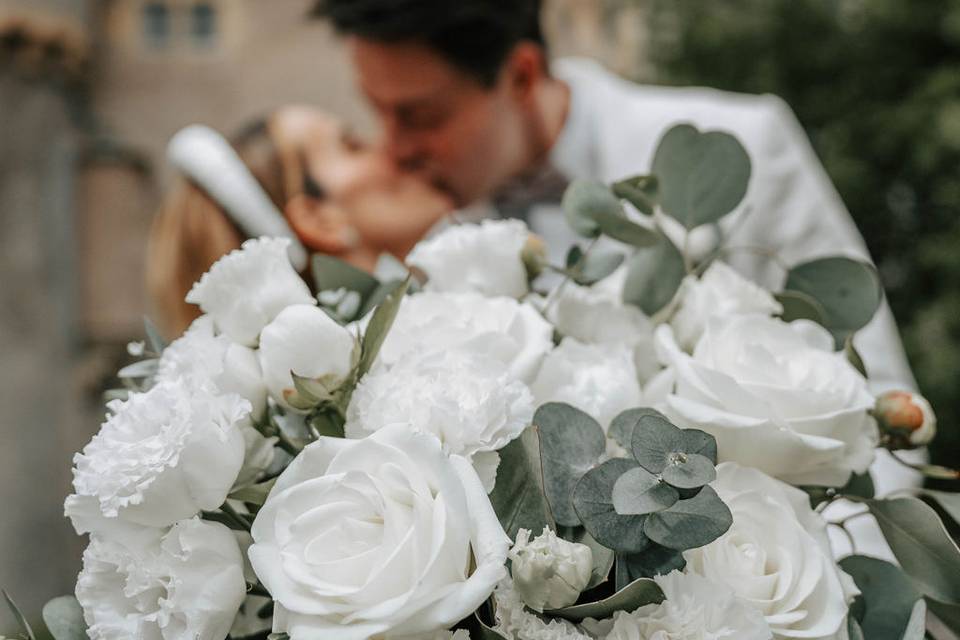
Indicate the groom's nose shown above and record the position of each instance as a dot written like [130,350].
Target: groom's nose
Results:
[405,149]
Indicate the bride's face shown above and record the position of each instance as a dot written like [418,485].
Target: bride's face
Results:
[357,187]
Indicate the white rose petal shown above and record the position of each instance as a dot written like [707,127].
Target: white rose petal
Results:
[361,538]
[484,258]
[183,584]
[598,379]
[515,333]
[549,572]
[467,400]
[247,288]
[777,557]
[306,341]
[776,396]
[695,608]
[597,315]
[162,456]
[720,291]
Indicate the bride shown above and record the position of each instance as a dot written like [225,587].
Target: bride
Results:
[297,172]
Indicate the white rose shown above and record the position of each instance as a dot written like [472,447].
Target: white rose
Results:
[720,291]
[162,456]
[549,572]
[598,379]
[597,315]
[485,258]
[776,396]
[513,332]
[777,557]
[371,537]
[467,400]
[183,584]
[247,288]
[306,341]
[695,608]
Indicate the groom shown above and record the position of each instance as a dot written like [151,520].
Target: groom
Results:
[468,99]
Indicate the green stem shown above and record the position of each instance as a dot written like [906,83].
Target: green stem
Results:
[235,515]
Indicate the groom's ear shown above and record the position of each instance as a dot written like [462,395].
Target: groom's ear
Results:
[320,225]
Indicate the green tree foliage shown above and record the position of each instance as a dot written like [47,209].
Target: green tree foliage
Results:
[875,84]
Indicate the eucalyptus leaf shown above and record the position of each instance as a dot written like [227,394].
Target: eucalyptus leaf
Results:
[597,266]
[517,496]
[639,492]
[378,295]
[859,485]
[654,441]
[331,273]
[571,443]
[798,305]
[619,227]
[922,546]
[853,356]
[622,426]
[593,501]
[640,191]
[478,629]
[949,502]
[684,458]
[701,176]
[574,255]
[653,276]
[583,201]
[848,290]
[64,619]
[635,595]
[379,326]
[689,471]
[889,597]
[656,560]
[690,523]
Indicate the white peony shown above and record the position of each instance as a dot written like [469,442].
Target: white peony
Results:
[720,291]
[549,572]
[247,288]
[162,456]
[598,379]
[515,622]
[696,608]
[183,584]
[466,399]
[306,341]
[484,258]
[381,536]
[597,315]
[513,332]
[776,396]
[777,557]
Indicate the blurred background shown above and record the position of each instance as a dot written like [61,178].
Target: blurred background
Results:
[90,92]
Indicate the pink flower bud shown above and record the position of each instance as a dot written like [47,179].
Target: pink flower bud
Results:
[906,419]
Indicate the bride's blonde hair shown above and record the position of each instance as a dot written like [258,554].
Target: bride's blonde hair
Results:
[191,231]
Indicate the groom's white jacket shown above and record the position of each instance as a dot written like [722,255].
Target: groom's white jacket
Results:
[612,130]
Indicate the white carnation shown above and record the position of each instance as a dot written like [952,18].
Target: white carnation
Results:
[549,572]
[513,332]
[183,584]
[469,401]
[695,608]
[720,291]
[484,258]
[247,288]
[162,456]
[598,379]
[515,622]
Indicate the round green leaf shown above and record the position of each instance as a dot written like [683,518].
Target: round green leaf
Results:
[593,501]
[889,598]
[640,191]
[800,306]
[654,561]
[622,426]
[688,471]
[597,266]
[619,227]
[848,290]
[701,176]
[571,443]
[518,498]
[64,619]
[654,441]
[653,276]
[691,523]
[584,201]
[638,492]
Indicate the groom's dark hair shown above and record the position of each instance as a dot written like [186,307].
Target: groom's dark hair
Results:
[473,35]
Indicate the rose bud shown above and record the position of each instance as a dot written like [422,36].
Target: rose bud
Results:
[549,572]
[534,255]
[906,419]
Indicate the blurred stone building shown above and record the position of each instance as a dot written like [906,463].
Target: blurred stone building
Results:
[90,92]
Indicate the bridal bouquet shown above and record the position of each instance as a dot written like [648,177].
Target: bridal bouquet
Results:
[636,444]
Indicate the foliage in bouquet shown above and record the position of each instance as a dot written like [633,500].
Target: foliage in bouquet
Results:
[638,443]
